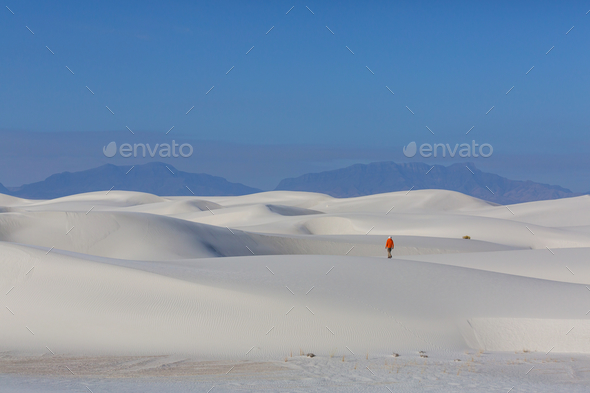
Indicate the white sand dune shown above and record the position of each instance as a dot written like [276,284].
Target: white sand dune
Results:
[552,213]
[266,275]
[564,265]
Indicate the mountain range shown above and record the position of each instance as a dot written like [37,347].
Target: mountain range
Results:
[4,190]
[356,180]
[154,178]
[380,177]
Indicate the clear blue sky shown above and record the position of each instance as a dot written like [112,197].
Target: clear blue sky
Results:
[450,62]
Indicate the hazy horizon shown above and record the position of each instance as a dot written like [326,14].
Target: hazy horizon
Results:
[255,165]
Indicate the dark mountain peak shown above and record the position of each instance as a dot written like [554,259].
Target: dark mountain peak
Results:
[154,178]
[380,177]
[155,165]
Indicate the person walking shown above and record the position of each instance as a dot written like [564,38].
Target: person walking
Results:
[389,246]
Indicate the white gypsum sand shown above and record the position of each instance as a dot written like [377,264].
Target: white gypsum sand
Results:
[265,276]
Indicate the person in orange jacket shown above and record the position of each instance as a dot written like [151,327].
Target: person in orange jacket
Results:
[389,246]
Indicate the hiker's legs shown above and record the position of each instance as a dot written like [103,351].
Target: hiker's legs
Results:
[389,253]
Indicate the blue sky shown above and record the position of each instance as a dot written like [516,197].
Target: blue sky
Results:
[449,62]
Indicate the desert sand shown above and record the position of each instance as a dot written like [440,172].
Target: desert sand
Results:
[268,277]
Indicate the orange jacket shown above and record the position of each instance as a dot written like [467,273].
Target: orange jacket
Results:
[389,243]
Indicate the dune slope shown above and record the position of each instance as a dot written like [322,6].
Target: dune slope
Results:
[265,275]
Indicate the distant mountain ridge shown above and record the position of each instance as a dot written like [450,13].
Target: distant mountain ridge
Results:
[356,180]
[154,178]
[381,177]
